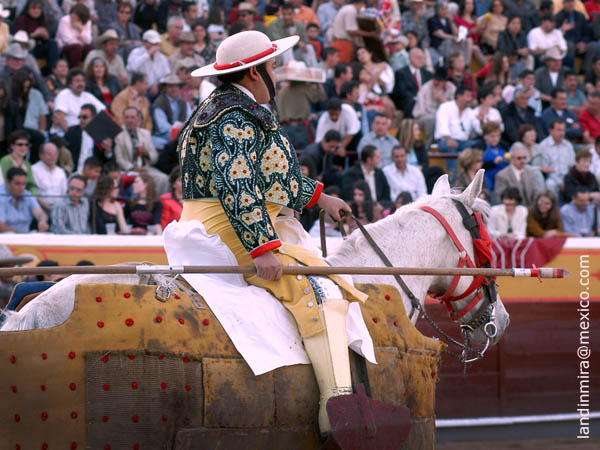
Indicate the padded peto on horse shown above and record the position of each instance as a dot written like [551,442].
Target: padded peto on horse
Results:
[129,371]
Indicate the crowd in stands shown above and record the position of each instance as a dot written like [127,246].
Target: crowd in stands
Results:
[512,86]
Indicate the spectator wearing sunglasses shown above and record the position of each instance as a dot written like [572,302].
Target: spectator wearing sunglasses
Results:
[71,215]
[18,148]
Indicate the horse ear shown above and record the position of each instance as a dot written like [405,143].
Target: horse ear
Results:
[441,187]
[473,190]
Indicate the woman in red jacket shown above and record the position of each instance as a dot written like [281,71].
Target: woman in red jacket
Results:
[172,201]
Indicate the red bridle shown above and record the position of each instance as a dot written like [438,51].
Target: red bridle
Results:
[482,258]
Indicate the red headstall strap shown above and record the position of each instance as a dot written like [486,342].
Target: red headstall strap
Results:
[483,255]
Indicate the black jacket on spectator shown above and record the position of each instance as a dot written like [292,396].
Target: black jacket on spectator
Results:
[576,179]
[581,32]
[10,112]
[325,164]
[405,89]
[526,10]
[543,82]
[166,9]
[354,174]
[113,86]
[168,159]
[507,44]
[73,138]
[146,15]
[513,120]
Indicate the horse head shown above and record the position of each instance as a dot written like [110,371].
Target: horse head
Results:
[473,302]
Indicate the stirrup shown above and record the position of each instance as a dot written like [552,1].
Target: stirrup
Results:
[356,418]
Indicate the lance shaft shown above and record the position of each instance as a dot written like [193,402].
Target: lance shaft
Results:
[544,272]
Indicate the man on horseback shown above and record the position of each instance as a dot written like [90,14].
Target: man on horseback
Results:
[239,171]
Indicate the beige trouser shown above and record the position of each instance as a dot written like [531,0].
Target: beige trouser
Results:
[328,353]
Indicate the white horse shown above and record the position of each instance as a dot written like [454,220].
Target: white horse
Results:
[410,237]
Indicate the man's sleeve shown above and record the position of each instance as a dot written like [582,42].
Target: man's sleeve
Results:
[239,187]
[442,128]
[353,122]
[311,191]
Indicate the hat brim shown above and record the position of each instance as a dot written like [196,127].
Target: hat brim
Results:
[282,46]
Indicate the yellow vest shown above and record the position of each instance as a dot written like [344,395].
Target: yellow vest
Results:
[295,291]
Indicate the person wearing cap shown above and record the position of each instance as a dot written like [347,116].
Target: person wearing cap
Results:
[399,59]
[108,49]
[15,60]
[186,45]
[149,60]
[18,206]
[239,171]
[22,38]
[169,111]
[542,39]
[246,12]
[550,76]
[8,259]
[430,97]
[74,34]
[34,22]
[170,39]
[128,31]
[286,26]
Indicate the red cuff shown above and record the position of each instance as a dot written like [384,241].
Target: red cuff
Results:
[315,198]
[272,245]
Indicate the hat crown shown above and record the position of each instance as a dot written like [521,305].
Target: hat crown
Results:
[241,46]
[15,50]
[21,36]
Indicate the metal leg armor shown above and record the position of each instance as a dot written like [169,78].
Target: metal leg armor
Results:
[328,353]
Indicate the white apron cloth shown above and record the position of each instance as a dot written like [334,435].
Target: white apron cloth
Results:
[259,326]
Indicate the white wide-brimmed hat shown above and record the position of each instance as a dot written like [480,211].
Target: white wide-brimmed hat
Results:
[4,13]
[21,37]
[244,50]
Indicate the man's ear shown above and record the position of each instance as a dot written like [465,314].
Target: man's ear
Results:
[253,74]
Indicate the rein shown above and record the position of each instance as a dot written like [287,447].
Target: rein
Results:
[473,224]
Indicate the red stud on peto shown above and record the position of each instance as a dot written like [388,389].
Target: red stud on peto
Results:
[72,355]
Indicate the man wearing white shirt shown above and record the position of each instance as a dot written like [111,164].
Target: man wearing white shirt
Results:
[51,179]
[342,118]
[453,124]
[404,177]
[69,101]
[148,60]
[546,37]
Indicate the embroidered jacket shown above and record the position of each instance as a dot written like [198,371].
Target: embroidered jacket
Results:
[233,149]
